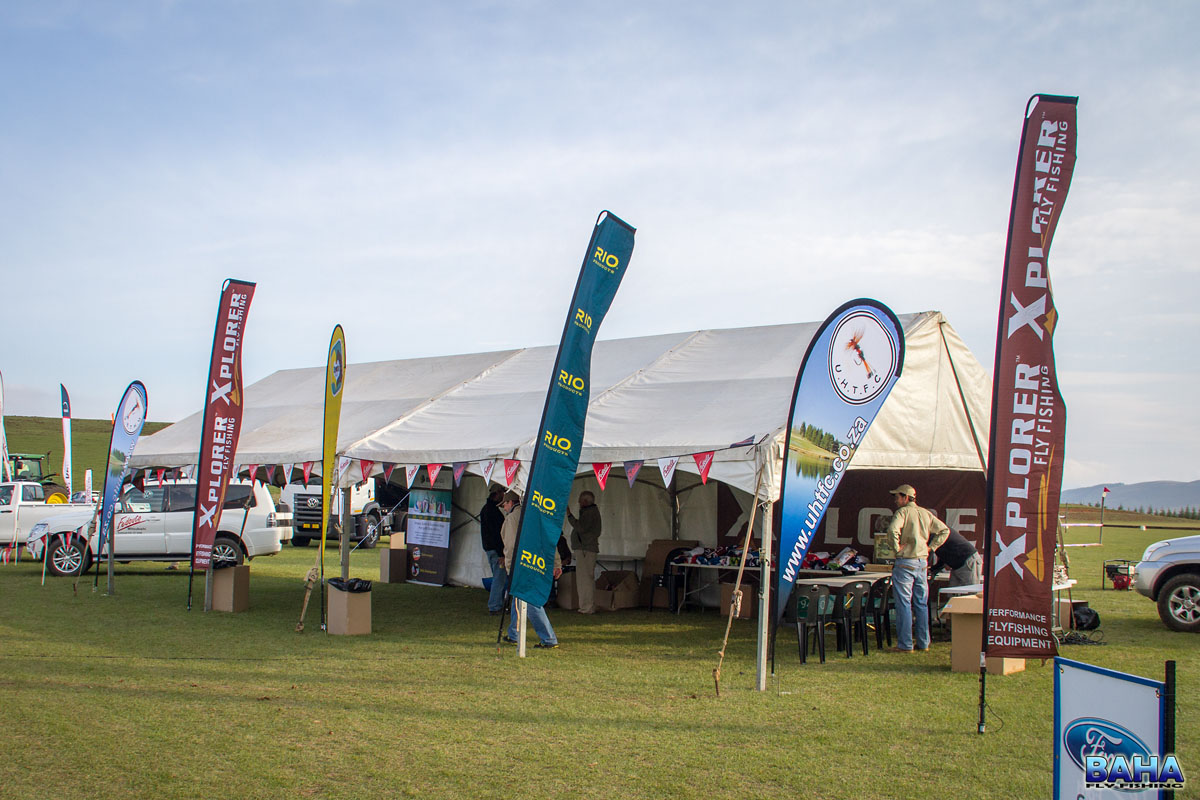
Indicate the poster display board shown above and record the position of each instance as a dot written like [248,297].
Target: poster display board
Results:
[1109,735]
[428,536]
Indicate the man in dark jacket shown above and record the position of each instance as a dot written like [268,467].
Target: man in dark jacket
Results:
[491,520]
[585,545]
[962,559]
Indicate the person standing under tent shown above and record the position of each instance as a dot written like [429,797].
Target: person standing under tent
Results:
[491,520]
[962,559]
[585,546]
[511,506]
[912,532]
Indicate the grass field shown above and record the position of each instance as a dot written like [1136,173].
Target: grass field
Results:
[89,443]
[134,696]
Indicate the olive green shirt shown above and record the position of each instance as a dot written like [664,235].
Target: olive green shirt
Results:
[914,531]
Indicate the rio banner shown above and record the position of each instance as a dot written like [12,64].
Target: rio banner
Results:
[850,367]
[1029,418]
[560,434]
[222,425]
[127,428]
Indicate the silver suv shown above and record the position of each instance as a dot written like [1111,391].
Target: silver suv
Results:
[1169,574]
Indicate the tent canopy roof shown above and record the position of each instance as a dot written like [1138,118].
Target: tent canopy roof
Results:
[651,397]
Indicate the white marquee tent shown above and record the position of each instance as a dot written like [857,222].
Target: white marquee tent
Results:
[651,397]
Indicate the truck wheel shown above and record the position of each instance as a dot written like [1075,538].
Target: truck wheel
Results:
[300,541]
[1179,603]
[370,531]
[227,549]
[70,558]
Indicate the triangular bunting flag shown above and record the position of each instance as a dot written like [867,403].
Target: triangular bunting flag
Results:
[433,470]
[387,471]
[139,481]
[667,466]
[631,471]
[366,466]
[486,468]
[307,470]
[459,468]
[602,471]
[287,473]
[343,464]
[410,473]
[511,465]
[749,440]
[158,473]
[703,462]
[253,469]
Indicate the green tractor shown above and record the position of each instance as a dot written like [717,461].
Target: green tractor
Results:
[28,467]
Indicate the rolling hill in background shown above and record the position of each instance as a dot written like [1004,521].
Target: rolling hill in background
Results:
[1158,495]
[89,443]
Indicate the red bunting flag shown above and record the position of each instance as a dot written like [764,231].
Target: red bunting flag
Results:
[511,465]
[459,468]
[366,467]
[703,462]
[253,473]
[602,471]
[387,471]
[631,471]
[433,470]
[158,473]
[308,468]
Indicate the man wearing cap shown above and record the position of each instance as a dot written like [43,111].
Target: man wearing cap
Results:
[912,532]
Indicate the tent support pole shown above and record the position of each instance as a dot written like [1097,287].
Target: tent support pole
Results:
[764,593]
[674,511]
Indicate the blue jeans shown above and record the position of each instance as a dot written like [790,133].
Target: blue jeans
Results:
[911,592]
[538,620]
[499,578]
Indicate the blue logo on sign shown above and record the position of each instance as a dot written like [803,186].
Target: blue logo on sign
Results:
[1090,736]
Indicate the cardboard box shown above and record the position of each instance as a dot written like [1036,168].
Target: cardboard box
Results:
[653,564]
[396,540]
[749,600]
[568,595]
[231,588]
[393,565]
[966,637]
[349,613]
[616,589]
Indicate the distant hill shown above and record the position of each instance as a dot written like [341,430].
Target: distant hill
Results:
[89,442]
[1159,495]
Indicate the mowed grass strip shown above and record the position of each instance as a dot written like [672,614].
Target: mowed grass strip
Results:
[134,696]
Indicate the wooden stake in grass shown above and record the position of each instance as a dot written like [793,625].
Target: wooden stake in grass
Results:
[309,580]
[735,603]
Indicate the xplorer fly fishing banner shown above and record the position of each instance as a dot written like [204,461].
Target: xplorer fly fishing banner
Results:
[850,367]
[560,434]
[222,420]
[1029,418]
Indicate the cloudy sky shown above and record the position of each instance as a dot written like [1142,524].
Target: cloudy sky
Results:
[427,174]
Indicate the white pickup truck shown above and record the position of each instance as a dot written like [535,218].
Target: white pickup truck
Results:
[156,525]
[23,505]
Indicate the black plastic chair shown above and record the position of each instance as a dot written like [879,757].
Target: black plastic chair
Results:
[806,609]
[672,579]
[849,615]
[880,605]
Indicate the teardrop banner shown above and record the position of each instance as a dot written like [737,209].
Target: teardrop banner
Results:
[127,428]
[560,434]
[335,383]
[850,367]
[222,423]
[66,426]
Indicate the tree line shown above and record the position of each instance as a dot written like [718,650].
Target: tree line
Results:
[1188,512]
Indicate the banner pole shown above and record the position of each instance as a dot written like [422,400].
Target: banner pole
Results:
[1169,717]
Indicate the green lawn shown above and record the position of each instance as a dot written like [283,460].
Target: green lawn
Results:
[134,696]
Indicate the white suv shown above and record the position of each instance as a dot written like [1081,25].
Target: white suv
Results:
[155,524]
[1169,574]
